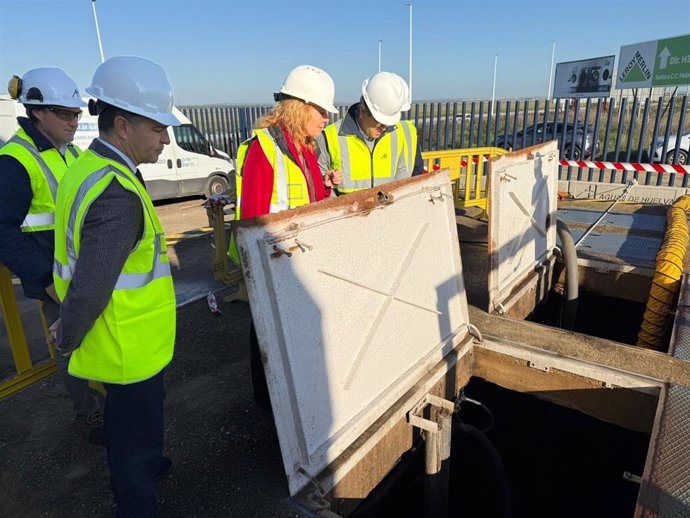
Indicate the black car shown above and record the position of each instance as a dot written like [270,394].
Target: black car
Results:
[575,140]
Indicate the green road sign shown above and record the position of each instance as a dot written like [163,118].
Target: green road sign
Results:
[672,63]
[655,63]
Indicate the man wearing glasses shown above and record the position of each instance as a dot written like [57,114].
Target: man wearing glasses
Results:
[32,163]
[371,146]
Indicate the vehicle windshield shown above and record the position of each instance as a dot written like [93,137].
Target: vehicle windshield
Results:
[190,139]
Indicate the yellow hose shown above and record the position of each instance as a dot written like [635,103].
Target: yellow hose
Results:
[667,278]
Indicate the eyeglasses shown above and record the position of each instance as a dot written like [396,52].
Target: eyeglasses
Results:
[377,124]
[64,115]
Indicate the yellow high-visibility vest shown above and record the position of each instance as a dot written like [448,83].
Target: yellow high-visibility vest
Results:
[361,168]
[45,170]
[290,189]
[133,339]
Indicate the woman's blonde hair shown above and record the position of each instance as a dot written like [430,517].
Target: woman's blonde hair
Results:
[294,115]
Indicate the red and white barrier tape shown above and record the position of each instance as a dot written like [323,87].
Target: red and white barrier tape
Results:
[624,166]
[620,166]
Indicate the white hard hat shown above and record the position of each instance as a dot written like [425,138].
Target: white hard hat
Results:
[311,85]
[46,86]
[386,95]
[408,103]
[136,85]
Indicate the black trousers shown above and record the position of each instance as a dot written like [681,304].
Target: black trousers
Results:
[134,442]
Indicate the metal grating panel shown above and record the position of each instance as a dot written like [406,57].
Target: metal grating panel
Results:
[634,250]
[640,222]
[665,492]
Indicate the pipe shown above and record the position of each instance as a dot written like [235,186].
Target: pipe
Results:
[505,498]
[569,308]
[437,466]
[667,278]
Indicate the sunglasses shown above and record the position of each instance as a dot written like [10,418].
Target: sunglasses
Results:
[64,115]
[323,112]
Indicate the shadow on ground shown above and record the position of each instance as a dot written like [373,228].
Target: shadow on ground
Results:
[226,459]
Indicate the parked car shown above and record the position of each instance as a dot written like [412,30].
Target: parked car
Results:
[667,153]
[574,140]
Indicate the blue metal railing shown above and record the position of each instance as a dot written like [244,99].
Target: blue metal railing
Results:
[620,131]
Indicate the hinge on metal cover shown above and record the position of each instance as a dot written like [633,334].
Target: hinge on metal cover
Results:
[475,333]
[316,499]
[439,197]
[536,364]
[498,308]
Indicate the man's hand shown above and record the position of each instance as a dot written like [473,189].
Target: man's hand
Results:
[332,178]
[52,339]
[50,290]
[52,333]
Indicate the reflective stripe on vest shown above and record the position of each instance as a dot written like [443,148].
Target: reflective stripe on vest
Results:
[289,185]
[133,337]
[410,133]
[41,211]
[50,177]
[361,168]
[126,280]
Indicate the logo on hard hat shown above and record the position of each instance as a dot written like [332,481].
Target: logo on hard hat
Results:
[76,93]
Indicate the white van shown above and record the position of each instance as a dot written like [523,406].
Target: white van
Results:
[189,166]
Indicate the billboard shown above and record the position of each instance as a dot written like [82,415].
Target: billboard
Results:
[655,63]
[584,78]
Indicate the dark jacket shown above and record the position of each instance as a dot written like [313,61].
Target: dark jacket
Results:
[28,255]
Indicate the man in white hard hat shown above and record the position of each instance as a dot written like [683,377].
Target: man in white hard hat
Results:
[32,163]
[371,146]
[113,276]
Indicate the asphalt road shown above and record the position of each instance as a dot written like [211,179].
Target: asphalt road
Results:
[225,453]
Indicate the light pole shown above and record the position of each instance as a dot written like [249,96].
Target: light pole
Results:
[380,41]
[410,74]
[98,32]
[493,91]
[553,55]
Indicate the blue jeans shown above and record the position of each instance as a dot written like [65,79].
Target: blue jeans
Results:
[134,442]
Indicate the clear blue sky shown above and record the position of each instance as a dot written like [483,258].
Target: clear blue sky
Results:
[228,51]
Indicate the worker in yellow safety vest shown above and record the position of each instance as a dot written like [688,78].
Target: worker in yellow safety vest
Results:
[32,163]
[113,276]
[371,146]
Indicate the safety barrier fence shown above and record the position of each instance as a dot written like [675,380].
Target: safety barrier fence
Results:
[27,372]
[603,129]
[467,172]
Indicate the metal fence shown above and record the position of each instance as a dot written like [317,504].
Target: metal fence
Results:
[621,130]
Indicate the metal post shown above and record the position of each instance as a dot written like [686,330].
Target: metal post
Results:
[437,435]
[380,41]
[553,55]
[98,32]
[493,91]
[437,467]
[410,74]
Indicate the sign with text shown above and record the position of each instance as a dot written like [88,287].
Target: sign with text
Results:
[584,78]
[655,63]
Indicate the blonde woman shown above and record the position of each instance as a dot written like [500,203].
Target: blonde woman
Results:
[278,168]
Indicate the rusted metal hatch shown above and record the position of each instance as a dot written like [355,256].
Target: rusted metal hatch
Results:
[353,299]
[522,216]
